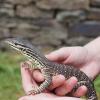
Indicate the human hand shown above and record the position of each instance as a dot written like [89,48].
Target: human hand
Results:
[47,96]
[85,58]
[28,83]
[79,57]
[59,84]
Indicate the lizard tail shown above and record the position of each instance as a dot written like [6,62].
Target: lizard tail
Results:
[91,93]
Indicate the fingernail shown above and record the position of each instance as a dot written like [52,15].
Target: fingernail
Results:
[61,91]
[25,65]
[72,80]
[80,91]
[22,64]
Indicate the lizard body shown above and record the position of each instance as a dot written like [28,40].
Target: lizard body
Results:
[49,69]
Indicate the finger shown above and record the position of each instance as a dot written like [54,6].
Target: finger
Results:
[66,87]
[58,55]
[27,81]
[57,81]
[81,91]
[38,76]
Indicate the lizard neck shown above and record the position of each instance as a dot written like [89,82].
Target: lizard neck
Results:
[38,59]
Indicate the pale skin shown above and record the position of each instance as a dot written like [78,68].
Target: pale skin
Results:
[86,58]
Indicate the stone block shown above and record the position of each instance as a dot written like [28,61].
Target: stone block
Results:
[63,4]
[22,2]
[7,21]
[50,37]
[93,14]
[88,29]
[70,17]
[95,3]
[13,22]
[4,33]
[6,9]
[31,11]
[28,26]
[28,33]
[78,41]
[53,35]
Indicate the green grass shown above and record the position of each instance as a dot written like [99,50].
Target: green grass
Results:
[10,78]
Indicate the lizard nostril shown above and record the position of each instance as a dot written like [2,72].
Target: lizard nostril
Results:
[22,49]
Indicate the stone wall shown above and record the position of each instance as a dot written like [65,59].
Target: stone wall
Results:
[50,22]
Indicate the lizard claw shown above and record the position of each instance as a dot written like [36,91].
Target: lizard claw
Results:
[33,91]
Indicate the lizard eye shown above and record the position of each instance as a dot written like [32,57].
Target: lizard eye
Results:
[16,44]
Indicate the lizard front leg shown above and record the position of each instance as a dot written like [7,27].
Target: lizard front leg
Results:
[43,86]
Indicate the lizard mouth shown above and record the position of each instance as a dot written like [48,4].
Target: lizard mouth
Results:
[11,44]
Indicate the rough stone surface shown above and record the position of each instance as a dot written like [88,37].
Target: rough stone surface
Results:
[8,22]
[89,29]
[80,41]
[23,33]
[4,33]
[23,2]
[95,3]
[52,35]
[53,23]
[93,14]
[50,38]
[71,17]
[63,4]
[6,9]
[32,11]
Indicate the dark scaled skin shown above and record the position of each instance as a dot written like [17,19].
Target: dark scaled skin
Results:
[50,69]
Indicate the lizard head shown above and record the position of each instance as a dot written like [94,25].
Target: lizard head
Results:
[25,48]
[16,44]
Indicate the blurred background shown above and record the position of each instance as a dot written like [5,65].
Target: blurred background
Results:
[48,24]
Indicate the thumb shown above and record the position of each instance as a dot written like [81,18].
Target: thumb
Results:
[69,55]
[59,55]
